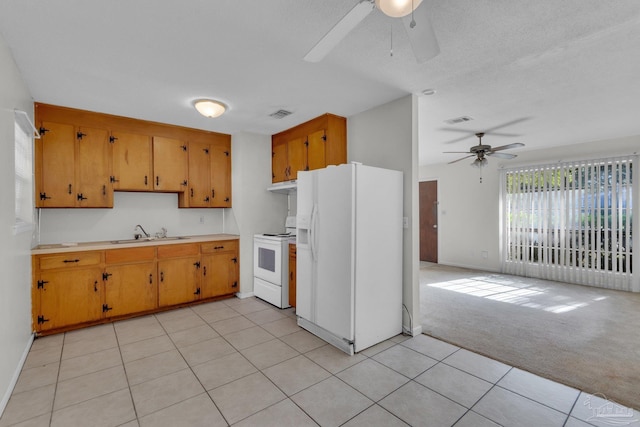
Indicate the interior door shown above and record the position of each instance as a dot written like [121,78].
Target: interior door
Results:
[429,221]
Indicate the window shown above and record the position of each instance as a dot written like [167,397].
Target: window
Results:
[23,151]
[570,222]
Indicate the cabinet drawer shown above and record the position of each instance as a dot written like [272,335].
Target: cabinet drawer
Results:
[177,251]
[70,259]
[129,255]
[219,246]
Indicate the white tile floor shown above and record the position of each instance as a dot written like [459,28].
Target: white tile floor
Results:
[246,363]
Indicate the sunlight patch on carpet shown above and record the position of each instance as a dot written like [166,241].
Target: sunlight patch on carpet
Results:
[499,289]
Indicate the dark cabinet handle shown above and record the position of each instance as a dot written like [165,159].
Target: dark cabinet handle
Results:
[291,275]
[162,276]
[206,199]
[150,279]
[70,189]
[66,261]
[157,180]
[213,193]
[95,286]
[192,192]
[146,181]
[204,270]
[104,190]
[226,199]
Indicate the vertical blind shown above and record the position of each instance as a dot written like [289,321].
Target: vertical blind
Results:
[570,222]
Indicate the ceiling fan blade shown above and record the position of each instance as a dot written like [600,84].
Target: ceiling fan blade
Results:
[339,31]
[457,152]
[422,37]
[501,155]
[508,146]
[462,158]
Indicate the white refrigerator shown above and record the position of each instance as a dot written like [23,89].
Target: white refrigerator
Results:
[349,254]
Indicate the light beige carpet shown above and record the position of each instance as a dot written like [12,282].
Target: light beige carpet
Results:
[587,338]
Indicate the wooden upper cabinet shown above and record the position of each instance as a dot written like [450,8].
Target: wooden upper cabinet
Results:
[221,175]
[73,167]
[312,145]
[82,157]
[316,150]
[132,162]
[55,160]
[93,168]
[170,160]
[199,175]
[297,154]
[209,175]
[279,161]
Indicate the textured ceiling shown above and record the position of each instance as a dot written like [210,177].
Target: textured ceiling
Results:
[544,73]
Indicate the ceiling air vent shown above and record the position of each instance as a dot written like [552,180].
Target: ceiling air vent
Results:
[458,120]
[280,114]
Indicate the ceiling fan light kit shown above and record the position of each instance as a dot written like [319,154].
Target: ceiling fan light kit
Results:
[481,150]
[397,8]
[415,20]
[209,107]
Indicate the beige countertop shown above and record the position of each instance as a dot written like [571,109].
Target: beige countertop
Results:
[126,243]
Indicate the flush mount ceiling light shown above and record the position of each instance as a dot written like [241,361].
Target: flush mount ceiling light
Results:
[210,108]
[397,8]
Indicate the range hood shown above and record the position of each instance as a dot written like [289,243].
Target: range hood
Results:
[286,187]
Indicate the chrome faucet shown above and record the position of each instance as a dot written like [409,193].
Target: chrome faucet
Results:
[137,236]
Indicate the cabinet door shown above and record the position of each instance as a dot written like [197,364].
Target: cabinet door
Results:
[94,168]
[279,162]
[169,164]
[55,166]
[199,175]
[68,297]
[221,176]
[316,150]
[297,151]
[131,162]
[178,280]
[130,288]
[219,274]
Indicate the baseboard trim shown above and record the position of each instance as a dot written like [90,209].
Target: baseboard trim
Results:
[417,330]
[243,295]
[16,375]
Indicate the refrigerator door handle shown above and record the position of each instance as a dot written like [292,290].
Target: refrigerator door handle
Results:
[312,232]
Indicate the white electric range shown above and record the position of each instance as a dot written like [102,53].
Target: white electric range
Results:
[271,264]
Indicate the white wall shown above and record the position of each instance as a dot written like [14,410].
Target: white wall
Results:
[151,210]
[386,136]
[15,264]
[468,212]
[256,209]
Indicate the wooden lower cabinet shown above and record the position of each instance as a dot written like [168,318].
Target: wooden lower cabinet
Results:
[67,297]
[76,289]
[178,267]
[130,281]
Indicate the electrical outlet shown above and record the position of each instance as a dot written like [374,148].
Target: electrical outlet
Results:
[201,219]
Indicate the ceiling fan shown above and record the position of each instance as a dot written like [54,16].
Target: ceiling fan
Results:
[481,150]
[414,17]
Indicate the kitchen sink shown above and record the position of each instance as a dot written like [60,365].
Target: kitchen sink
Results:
[148,239]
